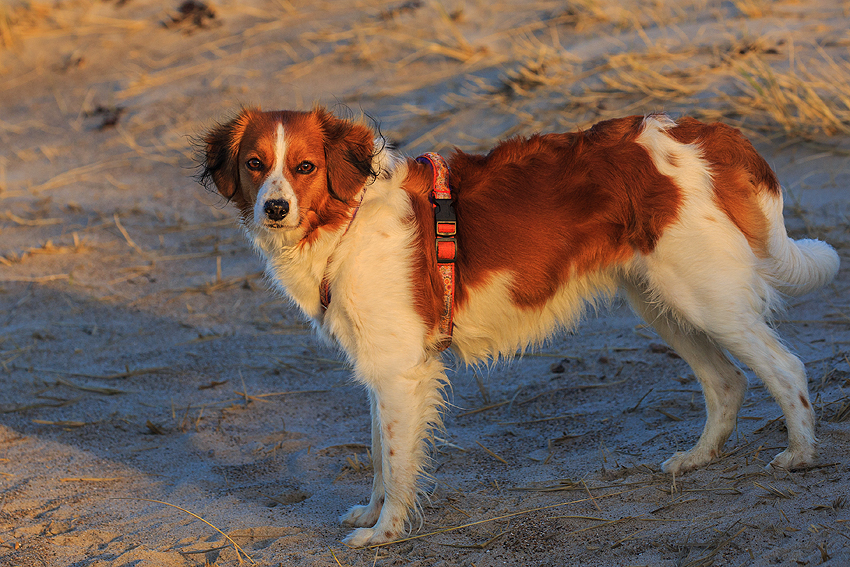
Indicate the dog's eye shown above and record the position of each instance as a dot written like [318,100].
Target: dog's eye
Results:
[254,164]
[305,167]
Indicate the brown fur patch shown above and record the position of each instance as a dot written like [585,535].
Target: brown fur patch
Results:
[739,174]
[554,206]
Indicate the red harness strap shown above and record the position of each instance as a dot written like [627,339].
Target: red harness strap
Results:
[445,223]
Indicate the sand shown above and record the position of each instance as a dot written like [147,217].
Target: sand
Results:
[148,377]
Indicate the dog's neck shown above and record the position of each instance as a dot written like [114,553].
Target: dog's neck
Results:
[296,267]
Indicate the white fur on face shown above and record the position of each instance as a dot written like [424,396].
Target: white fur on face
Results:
[277,186]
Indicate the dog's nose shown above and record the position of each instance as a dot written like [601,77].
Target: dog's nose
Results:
[276,209]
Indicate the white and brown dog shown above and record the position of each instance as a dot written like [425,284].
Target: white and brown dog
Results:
[684,217]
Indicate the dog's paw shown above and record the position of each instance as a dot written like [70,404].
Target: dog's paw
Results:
[789,460]
[362,537]
[361,516]
[685,461]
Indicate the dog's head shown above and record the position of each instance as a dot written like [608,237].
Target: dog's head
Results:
[288,172]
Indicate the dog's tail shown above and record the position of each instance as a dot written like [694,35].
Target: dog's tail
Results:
[794,267]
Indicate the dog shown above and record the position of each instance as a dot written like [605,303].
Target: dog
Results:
[683,217]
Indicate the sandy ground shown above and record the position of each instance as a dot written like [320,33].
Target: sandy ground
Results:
[145,365]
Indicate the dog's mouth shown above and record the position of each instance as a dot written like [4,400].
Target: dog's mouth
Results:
[274,225]
[287,224]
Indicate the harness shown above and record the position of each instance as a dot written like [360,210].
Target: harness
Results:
[445,225]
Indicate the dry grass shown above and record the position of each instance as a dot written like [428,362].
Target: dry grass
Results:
[79,246]
[809,98]
[754,81]
[653,64]
[802,98]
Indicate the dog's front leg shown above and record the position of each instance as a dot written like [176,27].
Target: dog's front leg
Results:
[366,516]
[407,409]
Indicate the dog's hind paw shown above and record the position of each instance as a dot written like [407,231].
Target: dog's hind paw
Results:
[361,516]
[789,460]
[685,461]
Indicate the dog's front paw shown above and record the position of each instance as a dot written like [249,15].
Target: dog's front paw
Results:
[362,516]
[801,458]
[389,527]
[362,537]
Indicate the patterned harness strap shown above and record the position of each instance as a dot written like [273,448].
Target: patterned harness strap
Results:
[445,223]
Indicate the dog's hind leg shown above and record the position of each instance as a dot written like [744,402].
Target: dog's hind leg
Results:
[408,408]
[731,315]
[756,345]
[723,383]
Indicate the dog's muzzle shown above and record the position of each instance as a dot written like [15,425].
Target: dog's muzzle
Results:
[276,209]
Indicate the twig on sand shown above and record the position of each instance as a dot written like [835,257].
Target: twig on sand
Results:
[239,550]
[126,374]
[126,236]
[573,387]
[491,453]
[90,479]
[502,517]
[35,279]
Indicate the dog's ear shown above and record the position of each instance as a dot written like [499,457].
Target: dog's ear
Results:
[219,155]
[349,148]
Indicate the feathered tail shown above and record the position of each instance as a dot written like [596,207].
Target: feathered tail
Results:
[795,267]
